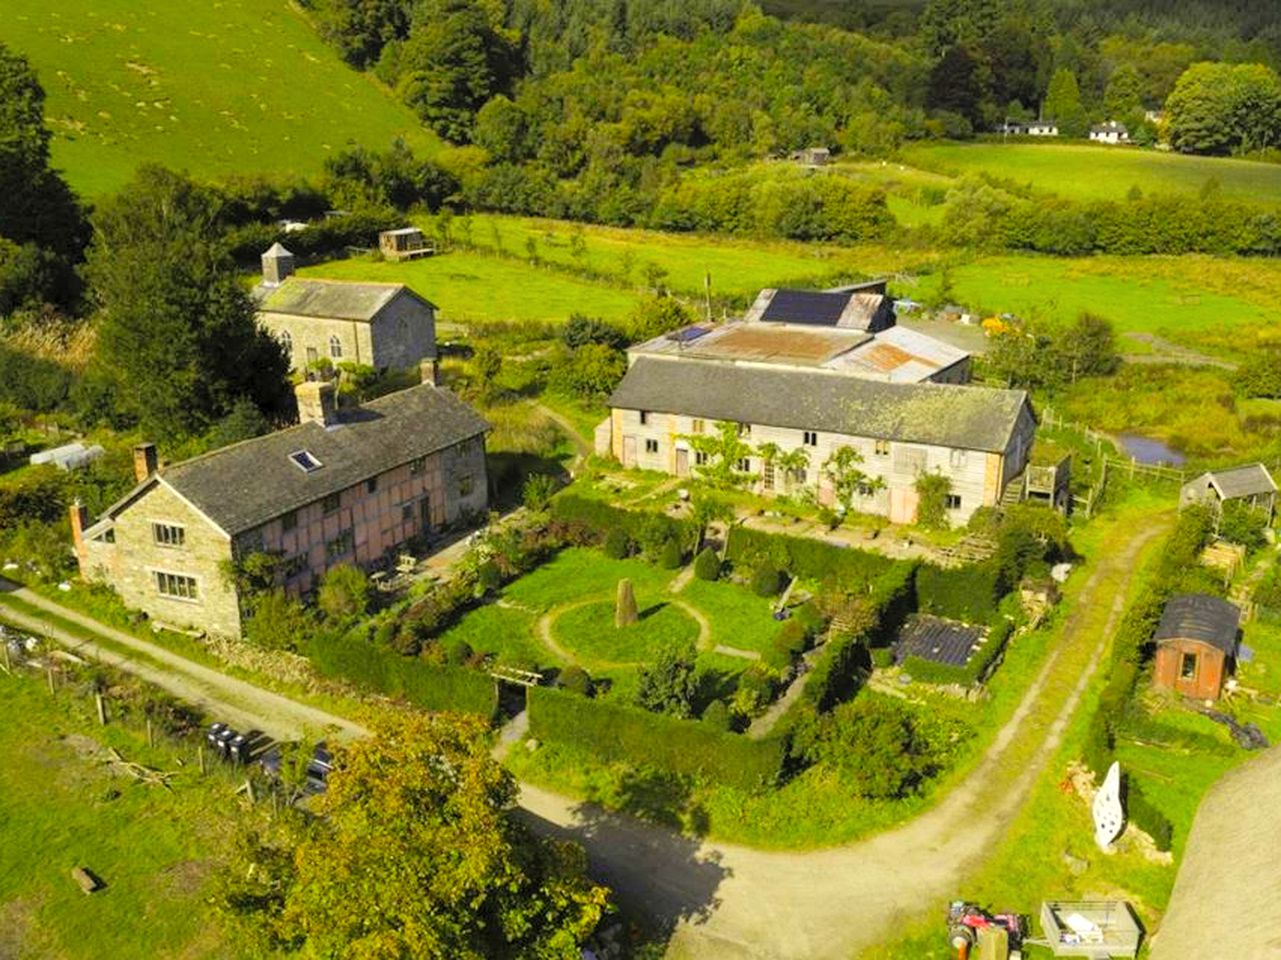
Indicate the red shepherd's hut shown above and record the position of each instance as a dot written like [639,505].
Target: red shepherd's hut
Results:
[1196,642]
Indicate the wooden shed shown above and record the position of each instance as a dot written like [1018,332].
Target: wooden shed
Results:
[1250,484]
[407,243]
[1196,642]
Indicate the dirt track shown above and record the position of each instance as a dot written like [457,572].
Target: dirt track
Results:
[722,901]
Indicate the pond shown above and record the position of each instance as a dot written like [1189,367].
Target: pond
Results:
[1149,450]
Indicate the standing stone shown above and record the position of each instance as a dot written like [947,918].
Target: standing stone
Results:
[625,609]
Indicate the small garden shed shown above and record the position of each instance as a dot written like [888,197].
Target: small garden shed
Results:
[1251,484]
[1195,645]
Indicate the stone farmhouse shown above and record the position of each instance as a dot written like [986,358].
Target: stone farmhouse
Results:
[978,438]
[351,486]
[380,325]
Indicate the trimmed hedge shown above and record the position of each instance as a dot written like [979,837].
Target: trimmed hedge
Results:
[426,685]
[1145,816]
[969,593]
[618,733]
[803,556]
[594,522]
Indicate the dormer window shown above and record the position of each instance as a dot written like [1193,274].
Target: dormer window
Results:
[305,461]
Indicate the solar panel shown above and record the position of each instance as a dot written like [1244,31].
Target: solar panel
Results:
[688,334]
[305,461]
[936,639]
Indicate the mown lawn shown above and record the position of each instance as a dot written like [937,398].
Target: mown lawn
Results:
[156,850]
[233,87]
[472,288]
[1085,171]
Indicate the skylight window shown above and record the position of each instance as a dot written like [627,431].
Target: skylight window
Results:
[305,461]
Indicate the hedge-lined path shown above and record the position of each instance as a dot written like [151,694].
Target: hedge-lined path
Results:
[219,695]
[762,725]
[725,901]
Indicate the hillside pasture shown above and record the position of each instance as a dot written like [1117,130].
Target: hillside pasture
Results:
[1081,171]
[214,89]
[473,288]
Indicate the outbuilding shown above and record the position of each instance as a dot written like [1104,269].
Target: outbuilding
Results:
[1196,642]
[1251,485]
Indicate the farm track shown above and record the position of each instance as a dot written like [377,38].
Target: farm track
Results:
[725,901]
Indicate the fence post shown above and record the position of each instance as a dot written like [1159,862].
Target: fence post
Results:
[102,709]
[200,757]
[49,676]
[151,736]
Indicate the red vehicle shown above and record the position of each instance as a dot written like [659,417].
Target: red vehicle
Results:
[965,919]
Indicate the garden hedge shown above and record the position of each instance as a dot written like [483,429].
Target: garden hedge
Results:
[618,733]
[968,593]
[426,685]
[595,521]
[804,556]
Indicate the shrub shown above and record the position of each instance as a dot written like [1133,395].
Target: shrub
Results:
[669,685]
[882,657]
[805,557]
[765,581]
[1242,524]
[344,592]
[424,685]
[458,653]
[617,733]
[537,492]
[718,716]
[670,557]
[488,577]
[968,593]
[617,545]
[576,680]
[590,521]
[707,565]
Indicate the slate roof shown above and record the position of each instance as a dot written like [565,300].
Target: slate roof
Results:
[337,299]
[970,418]
[1247,481]
[247,484]
[1199,616]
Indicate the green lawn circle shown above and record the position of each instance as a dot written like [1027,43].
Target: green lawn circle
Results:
[588,632]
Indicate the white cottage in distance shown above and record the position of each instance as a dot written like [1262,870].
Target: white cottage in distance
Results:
[381,325]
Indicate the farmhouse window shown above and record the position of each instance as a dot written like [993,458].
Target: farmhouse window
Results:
[744,429]
[417,466]
[800,476]
[697,426]
[289,521]
[287,342]
[767,476]
[341,545]
[700,458]
[811,438]
[744,465]
[294,566]
[407,513]
[175,585]
[466,484]
[335,348]
[168,534]
[882,448]
[953,501]
[651,446]
[371,485]
[957,458]
[1187,666]
[644,417]
[331,503]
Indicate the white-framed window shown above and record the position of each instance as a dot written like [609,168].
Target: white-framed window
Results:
[700,458]
[168,535]
[644,416]
[744,465]
[417,466]
[287,342]
[744,429]
[957,458]
[335,348]
[651,446]
[697,426]
[882,448]
[954,501]
[767,476]
[811,438]
[176,586]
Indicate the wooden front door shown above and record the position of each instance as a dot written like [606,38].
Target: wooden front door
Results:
[903,504]
[629,452]
[682,462]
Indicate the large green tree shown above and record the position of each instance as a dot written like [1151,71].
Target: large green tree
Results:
[42,230]
[177,331]
[1063,104]
[415,853]
[1221,108]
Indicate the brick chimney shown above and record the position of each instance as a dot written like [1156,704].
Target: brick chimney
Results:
[277,265]
[79,523]
[145,461]
[317,402]
[429,371]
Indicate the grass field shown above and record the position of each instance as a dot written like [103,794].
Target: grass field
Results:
[213,88]
[738,268]
[473,288]
[156,850]
[1082,171]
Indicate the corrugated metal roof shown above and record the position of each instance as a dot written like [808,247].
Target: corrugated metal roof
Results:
[972,418]
[900,355]
[337,299]
[1199,616]
[756,343]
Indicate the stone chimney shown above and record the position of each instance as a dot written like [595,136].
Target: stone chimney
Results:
[429,371]
[145,461]
[277,265]
[317,402]
[79,523]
